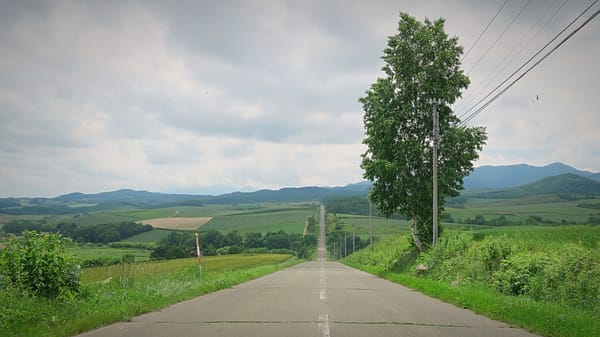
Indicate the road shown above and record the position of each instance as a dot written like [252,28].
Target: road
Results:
[320,299]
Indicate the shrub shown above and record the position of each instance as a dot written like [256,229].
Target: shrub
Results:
[519,272]
[40,264]
[446,260]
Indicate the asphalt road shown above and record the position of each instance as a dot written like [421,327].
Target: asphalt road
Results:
[319,299]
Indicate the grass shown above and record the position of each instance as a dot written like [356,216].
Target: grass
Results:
[381,226]
[457,274]
[548,319]
[94,252]
[519,210]
[117,293]
[177,223]
[152,236]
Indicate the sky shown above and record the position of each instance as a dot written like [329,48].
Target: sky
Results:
[209,97]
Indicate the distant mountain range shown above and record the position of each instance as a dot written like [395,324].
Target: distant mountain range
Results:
[485,177]
[511,181]
[567,186]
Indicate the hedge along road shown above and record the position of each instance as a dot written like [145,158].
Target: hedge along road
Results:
[312,299]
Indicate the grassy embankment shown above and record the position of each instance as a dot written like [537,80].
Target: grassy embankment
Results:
[117,293]
[544,279]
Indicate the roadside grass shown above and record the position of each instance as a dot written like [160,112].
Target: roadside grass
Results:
[548,319]
[541,278]
[118,293]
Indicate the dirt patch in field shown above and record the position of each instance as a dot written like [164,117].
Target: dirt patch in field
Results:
[176,223]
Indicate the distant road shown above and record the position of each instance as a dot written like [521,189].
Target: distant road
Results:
[319,299]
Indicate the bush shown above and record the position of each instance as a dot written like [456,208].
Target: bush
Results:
[40,264]
[519,272]
[446,260]
[569,275]
[100,262]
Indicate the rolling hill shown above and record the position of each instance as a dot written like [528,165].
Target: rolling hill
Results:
[486,177]
[567,185]
[512,181]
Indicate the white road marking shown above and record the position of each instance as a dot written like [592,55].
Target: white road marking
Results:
[323,295]
[324,325]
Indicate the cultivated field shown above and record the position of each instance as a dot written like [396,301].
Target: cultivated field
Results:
[177,223]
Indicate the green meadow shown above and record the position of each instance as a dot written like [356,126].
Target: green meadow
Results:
[118,293]
[541,278]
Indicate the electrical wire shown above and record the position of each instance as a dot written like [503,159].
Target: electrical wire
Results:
[493,75]
[484,30]
[478,111]
[528,61]
[499,37]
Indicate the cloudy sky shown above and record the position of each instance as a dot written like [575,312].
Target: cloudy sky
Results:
[208,97]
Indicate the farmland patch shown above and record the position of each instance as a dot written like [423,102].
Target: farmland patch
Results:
[177,223]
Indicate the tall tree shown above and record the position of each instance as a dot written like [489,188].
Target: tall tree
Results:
[421,63]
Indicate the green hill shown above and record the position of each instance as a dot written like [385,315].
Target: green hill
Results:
[565,185]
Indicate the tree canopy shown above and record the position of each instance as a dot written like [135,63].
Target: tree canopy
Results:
[422,63]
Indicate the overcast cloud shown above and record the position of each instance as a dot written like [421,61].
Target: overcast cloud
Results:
[208,97]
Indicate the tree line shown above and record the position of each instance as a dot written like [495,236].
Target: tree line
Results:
[100,233]
[213,242]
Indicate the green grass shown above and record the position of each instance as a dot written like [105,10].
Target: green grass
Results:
[547,237]
[88,252]
[152,236]
[519,209]
[547,319]
[118,293]
[381,226]
[565,288]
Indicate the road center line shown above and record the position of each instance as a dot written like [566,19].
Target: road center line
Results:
[324,325]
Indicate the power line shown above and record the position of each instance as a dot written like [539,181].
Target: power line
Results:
[494,74]
[525,64]
[484,30]
[476,112]
[500,36]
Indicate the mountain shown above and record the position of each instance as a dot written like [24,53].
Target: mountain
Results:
[290,194]
[130,197]
[81,202]
[567,185]
[486,177]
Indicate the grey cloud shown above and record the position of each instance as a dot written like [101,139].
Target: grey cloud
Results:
[164,90]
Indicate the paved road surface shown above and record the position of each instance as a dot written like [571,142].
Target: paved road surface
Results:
[320,299]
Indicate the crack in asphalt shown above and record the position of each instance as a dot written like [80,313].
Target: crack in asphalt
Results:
[444,325]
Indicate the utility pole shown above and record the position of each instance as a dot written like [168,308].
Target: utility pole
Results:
[334,250]
[436,131]
[353,237]
[345,252]
[370,226]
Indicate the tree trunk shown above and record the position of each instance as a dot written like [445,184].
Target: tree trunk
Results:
[415,236]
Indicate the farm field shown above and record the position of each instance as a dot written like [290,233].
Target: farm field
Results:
[513,210]
[152,236]
[105,252]
[289,219]
[519,209]
[176,222]
[381,226]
